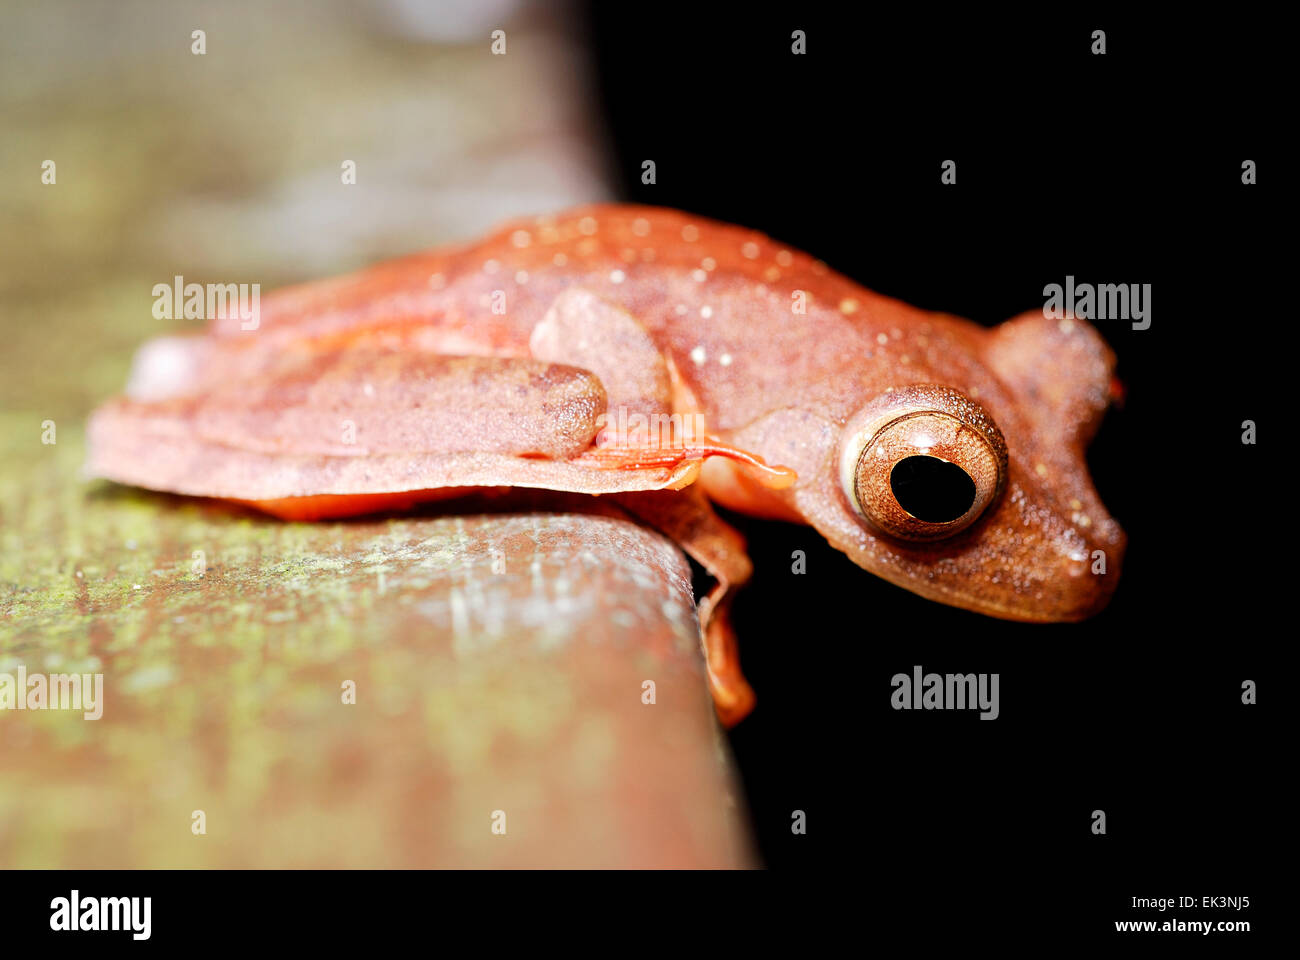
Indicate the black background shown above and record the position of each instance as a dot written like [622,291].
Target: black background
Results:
[1121,168]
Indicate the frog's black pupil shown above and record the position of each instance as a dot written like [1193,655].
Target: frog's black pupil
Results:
[931,489]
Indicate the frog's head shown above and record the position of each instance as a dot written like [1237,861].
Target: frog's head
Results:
[976,493]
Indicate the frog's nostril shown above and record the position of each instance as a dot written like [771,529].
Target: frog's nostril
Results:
[931,489]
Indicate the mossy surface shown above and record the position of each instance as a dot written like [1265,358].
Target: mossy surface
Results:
[497,647]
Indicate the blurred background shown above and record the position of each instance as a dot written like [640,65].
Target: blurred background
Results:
[228,164]
[478,688]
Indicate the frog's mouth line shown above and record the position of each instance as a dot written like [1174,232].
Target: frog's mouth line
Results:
[967,582]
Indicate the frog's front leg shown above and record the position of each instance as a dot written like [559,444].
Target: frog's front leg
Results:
[587,331]
[687,518]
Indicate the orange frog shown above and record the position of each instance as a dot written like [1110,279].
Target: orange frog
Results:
[669,361]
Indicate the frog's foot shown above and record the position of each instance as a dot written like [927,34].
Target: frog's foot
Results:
[687,518]
[733,697]
[688,458]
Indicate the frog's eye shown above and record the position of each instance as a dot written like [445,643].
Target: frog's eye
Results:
[923,462]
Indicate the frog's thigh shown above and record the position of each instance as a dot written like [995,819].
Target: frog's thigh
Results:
[686,517]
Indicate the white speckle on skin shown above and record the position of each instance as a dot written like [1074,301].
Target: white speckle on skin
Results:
[699,276]
[521,238]
[559,259]
[771,274]
[848,305]
[749,251]
[680,310]
[641,226]
[617,276]
[882,338]
[521,276]
[725,360]
[708,263]
[690,233]
[492,266]
[587,226]
[784,258]
[1040,469]
[1066,325]
[698,356]
[706,312]
[368,389]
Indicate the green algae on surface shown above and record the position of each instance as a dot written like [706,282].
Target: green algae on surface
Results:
[498,663]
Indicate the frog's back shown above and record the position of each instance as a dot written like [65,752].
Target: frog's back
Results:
[747,321]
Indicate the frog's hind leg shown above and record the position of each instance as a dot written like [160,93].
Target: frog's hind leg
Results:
[646,424]
[687,518]
[336,432]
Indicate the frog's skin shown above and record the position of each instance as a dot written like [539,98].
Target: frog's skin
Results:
[646,310]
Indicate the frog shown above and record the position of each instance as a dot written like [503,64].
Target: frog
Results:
[673,364]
